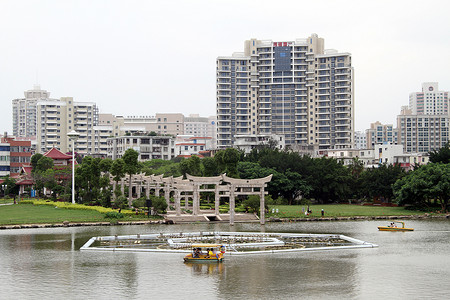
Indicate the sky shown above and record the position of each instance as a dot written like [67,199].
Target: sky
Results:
[136,57]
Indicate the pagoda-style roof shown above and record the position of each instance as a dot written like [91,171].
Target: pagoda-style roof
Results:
[56,154]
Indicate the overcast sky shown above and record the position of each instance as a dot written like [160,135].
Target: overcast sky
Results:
[144,57]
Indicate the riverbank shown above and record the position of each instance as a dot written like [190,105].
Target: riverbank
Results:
[271,219]
[44,216]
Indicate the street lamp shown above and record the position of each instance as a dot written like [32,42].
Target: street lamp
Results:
[73,135]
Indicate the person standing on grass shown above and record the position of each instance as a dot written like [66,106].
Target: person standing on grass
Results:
[323,212]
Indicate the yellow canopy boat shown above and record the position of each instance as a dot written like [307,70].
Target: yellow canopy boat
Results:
[206,253]
[393,227]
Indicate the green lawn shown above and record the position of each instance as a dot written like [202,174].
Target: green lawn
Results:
[340,210]
[34,214]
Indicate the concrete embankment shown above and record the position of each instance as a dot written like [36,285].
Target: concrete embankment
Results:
[271,219]
[362,218]
[77,224]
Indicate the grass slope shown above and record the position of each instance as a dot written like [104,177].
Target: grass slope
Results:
[36,214]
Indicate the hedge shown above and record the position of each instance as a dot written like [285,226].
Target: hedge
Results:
[69,205]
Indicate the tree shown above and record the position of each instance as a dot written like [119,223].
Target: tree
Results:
[424,185]
[329,180]
[378,182]
[34,160]
[227,161]
[191,166]
[10,186]
[43,164]
[89,178]
[131,167]
[442,155]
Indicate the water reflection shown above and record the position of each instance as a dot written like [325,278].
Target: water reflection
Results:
[46,263]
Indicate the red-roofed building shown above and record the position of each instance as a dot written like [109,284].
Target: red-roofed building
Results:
[59,158]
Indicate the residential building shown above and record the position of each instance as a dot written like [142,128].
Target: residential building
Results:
[201,127]
[5,163]
[419,133]
[360,140]
[380,134]
[14,154]
[149,147]
[186,146]
[57,118]
[292,88]
[248,142]
[430,101]
[24,112]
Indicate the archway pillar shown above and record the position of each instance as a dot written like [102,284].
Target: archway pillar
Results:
[232,204]
[262,213]
[216,200]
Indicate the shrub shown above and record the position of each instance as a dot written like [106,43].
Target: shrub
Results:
[139,202]
[114,215]
[69,205]
[159,203]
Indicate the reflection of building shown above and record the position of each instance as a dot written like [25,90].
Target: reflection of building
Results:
[293,88]
[149,147]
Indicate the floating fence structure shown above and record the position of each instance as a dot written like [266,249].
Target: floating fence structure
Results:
[236,243]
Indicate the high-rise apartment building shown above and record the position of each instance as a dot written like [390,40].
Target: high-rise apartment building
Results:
[57,118]
[430,101]
[24,112]
[379,134]
[420,133]
[291,88]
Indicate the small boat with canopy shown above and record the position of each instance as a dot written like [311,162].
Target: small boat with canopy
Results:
[394,227]
[205,253]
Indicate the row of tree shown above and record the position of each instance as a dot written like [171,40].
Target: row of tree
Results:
[295,176]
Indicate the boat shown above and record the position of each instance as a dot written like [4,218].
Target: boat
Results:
[393,227]
[201,253]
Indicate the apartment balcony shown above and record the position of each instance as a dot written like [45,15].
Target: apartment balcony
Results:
[303,113]
[342,78]
[342,117]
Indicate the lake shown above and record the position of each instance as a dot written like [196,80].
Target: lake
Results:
[47,264]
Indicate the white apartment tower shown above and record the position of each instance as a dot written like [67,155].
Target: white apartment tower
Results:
[24,111]
[292,88]
[57,118]
[430,101]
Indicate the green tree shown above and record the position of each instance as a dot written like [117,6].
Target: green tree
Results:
[10,186]
[43,164]
[424,185]
[131,167]
[159,203]
[227,161]
[329,180]
[34,160]
[378,182]
[191,166]
[210,167]
[442,155]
